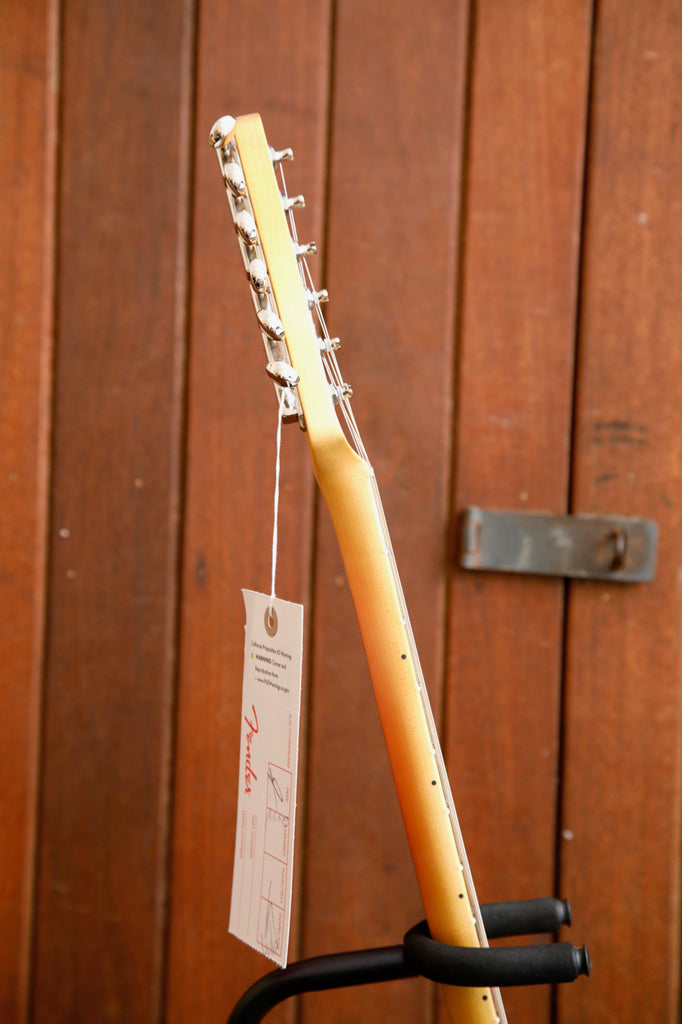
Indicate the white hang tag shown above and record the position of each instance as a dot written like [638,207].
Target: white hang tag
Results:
[260,909]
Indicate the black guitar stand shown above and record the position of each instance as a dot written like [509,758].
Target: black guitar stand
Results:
[420,955]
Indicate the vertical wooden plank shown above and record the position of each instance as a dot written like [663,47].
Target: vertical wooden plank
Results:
[515,377]
[272,59]
[110,655]
[621,816]
[27,166]
[396,147]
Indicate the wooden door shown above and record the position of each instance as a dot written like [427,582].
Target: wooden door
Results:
[494,190]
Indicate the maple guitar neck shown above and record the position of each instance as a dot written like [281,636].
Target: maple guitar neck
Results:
[302,364]
[435,840]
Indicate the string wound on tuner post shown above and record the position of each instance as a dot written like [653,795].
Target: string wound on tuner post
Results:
[277,155]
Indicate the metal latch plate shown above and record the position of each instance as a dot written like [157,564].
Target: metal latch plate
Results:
[616,548]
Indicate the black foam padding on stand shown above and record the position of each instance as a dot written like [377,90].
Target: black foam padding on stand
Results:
[525,917]
[485,968]
[420,954]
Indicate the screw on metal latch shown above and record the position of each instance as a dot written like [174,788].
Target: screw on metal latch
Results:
[619,539]
[471,536]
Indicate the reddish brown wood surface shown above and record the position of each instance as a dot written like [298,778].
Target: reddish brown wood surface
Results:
[114,522]
[27,111]
[621,819]
[230,481]
[515,375]
[441,151]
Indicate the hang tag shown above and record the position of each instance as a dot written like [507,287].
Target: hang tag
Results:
[260,909]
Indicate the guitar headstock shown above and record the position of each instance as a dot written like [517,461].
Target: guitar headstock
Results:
[301,356]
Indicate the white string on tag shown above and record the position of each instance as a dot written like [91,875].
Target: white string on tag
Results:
[276,501]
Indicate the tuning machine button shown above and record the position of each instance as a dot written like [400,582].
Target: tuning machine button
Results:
[290,406]
[246,227]
[277,155]
[234,178]
[283,374]
[271,324]
[258,276]
[220,130]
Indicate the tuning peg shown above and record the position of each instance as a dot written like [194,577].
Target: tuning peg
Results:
[290,407]
[234,178]
[271,324]
[288,202]
[258,275]
[277,155]
[316,297]
[220,130]
[283,374]
[306,249]
[246,227]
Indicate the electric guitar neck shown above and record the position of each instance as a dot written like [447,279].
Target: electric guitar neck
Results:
[301,360]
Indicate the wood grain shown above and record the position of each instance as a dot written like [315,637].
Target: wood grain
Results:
[514,402]
[274,61]
[458,337]
[27,178]
[396,137]
[621,816]
[114,523]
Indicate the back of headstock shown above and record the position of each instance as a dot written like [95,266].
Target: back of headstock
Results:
[301,355]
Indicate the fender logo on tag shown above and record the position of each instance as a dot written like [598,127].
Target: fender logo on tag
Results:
[248,771]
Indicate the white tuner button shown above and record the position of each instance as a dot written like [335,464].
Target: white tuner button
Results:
[234,178]
[271,324]
[283,374]
[220,130]
[246,227]
[258,276]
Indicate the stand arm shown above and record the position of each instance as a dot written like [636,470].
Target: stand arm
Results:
[422,955]
[336,970]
